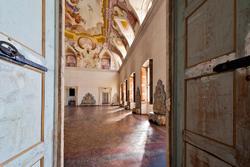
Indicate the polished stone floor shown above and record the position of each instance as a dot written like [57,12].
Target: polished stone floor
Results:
[111,137]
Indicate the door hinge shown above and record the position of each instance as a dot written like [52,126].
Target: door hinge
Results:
[233,65]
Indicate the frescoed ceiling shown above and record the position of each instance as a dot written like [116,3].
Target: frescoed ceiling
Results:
[98,33]
[141,7]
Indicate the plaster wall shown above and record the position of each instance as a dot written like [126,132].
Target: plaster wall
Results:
[89,81]
[151,43]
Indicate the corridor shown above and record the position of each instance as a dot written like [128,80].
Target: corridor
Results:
[112,137]
[125,83]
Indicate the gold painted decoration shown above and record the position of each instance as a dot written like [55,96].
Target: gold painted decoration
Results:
[90,29]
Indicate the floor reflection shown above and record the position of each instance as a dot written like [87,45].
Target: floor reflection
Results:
[112,137]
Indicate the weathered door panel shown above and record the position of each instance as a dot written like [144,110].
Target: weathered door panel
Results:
[27,93]
[213,108]
[37,164]
[210,100]
[22,110]
[210,31]
[28,18]
[199,158]
[242,117]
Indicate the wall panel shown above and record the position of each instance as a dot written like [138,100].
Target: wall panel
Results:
[21,120]
[205,40]
[24,11]
[209,101]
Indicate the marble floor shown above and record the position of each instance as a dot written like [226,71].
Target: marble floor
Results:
[111,137]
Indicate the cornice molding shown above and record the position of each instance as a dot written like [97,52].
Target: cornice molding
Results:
[88,69]
[144,26]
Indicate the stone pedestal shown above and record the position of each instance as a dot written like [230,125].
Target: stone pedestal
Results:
[136,111]
[157,119]
[127,107]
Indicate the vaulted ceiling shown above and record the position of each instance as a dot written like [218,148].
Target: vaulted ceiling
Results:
[98,33]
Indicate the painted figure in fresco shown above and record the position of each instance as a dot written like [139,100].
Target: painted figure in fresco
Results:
[85,21]
[78,11]
[72,16]
[106,61]
[71,61]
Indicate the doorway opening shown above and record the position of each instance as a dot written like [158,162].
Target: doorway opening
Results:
[147,86]
[127,88]
[105,95]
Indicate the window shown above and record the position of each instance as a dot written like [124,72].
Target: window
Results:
[72,92]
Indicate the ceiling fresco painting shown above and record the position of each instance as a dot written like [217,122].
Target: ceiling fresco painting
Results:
[98,33]
[141,8]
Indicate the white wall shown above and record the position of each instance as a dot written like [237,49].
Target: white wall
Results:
[89,81]
[151,43]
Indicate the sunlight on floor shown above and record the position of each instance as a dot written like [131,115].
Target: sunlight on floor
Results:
[115,110]
[118,118]
[113,137]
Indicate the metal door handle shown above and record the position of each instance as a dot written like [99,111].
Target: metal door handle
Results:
[233,64]
[10,53]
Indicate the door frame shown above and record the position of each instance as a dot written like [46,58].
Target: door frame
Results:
[58,153]
[176,84]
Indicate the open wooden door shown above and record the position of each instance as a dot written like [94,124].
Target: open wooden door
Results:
[211,111]
[27,54]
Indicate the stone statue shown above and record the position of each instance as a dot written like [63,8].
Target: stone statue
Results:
[88,99]
[137,109]
[158,116]
[115,99]
[160,106]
